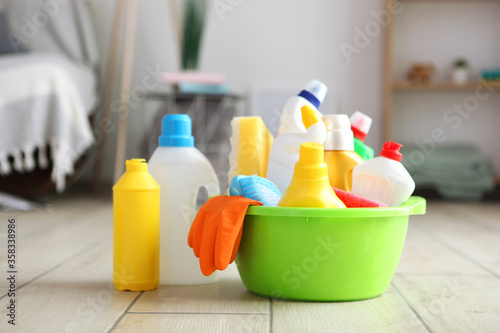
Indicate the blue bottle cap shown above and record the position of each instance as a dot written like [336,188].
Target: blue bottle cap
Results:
[176,131]
[314,92]
[310,97]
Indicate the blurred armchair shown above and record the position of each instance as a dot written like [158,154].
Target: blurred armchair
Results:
[49,87]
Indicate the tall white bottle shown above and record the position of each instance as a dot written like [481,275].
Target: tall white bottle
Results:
[181,170]
[286,147]
[291,117]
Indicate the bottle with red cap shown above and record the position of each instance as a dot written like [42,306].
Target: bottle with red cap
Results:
[384,178]
[360,126]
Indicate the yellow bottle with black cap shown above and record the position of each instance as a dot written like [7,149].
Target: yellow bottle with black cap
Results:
[310,186]
[136,236]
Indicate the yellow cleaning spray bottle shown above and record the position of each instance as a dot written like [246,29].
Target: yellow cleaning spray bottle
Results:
[310,186]
[136,236]
[339,151]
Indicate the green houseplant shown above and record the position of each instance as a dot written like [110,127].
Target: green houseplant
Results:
[193,26]
[460,73]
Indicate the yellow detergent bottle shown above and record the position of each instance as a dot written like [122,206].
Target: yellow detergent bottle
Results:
[310,186]
[339,151]
[136,236]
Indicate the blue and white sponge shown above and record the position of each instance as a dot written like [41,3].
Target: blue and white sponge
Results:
[255,188]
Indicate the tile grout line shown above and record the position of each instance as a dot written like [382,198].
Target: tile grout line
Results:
[76,255]
[270,315]
[460,253]
[117,321]
[420,320]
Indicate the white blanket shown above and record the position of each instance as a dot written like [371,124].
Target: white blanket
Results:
[43,101]
[47,94]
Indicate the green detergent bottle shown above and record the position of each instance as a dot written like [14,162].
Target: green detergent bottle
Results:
[360,126]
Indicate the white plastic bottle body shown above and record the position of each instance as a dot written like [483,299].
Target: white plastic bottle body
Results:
[285,153]
[181,172]
[291,117]
[383,180]
[280,173]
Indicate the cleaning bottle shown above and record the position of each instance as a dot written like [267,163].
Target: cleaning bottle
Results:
[312,96]
[360,126]
[384,178]
[181,170]
[136,224]
[310,186]
[339,151]
[285,150]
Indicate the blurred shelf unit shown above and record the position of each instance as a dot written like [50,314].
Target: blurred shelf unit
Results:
[442,86]
[392,86]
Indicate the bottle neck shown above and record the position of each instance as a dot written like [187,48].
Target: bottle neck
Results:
[310,97]
[358,134]
[338,140]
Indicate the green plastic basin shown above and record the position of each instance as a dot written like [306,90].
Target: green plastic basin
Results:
[319,254]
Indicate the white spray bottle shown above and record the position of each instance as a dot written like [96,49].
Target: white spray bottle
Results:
[285,150]
[384,178]
[181,170]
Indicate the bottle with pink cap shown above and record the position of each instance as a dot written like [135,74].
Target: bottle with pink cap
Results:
[360,126]
[384,178]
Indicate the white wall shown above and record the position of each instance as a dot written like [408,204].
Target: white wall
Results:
[440,33]
[262,45]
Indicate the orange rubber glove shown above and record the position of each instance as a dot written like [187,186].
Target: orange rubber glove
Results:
[215,234]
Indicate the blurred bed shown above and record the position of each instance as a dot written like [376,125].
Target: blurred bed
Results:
[48,91]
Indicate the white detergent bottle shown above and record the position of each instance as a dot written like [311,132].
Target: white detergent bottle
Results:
[181,170]
[291,117]
[286,147]
[384,178]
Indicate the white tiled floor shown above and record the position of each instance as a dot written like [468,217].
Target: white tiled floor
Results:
[448,280]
